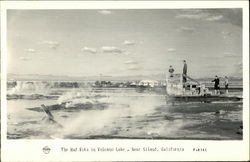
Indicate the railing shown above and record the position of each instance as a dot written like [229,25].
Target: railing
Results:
[191,79]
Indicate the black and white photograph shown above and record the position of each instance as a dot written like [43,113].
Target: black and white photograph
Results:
[147,74]
[172,74]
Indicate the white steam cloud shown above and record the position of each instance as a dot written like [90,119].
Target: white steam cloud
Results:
[112,49]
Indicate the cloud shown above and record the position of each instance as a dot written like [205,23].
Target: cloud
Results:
[215,18]
[191,16]
[187,29]
[88,49]
[133,67]
[194,14]
[31,50]
[105,12]
[130,62]
[51,44]
[205,15]
[233,16]
[227,15]
[128,42]
[25,58]
[171,50]
[111,49]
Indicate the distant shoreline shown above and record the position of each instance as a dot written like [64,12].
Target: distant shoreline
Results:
[158,77]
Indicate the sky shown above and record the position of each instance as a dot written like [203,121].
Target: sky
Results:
[126,42]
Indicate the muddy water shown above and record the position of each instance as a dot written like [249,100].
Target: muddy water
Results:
[127,114]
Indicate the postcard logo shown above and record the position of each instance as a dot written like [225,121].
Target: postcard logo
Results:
[46,149]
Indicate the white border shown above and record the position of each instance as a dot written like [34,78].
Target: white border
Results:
[31,150]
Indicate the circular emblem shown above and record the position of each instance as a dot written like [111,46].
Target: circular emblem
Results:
[46,149]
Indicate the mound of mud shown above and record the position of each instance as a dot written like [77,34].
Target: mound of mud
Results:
[29,97]
[79,106]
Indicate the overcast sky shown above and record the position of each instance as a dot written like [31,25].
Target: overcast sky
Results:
[124,42]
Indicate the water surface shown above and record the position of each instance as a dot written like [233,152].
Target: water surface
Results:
[126,113]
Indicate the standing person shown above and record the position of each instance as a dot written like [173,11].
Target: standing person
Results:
[226,84]
[171,71]
[184,74]
[216,85]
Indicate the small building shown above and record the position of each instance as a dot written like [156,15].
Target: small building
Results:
[148,83]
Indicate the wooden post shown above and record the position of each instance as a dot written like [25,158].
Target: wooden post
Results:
[48,113]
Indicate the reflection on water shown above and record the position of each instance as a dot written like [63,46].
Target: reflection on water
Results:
[128,114]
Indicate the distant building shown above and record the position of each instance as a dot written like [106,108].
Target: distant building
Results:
[149,83]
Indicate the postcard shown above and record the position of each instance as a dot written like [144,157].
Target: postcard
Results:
[125,81]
